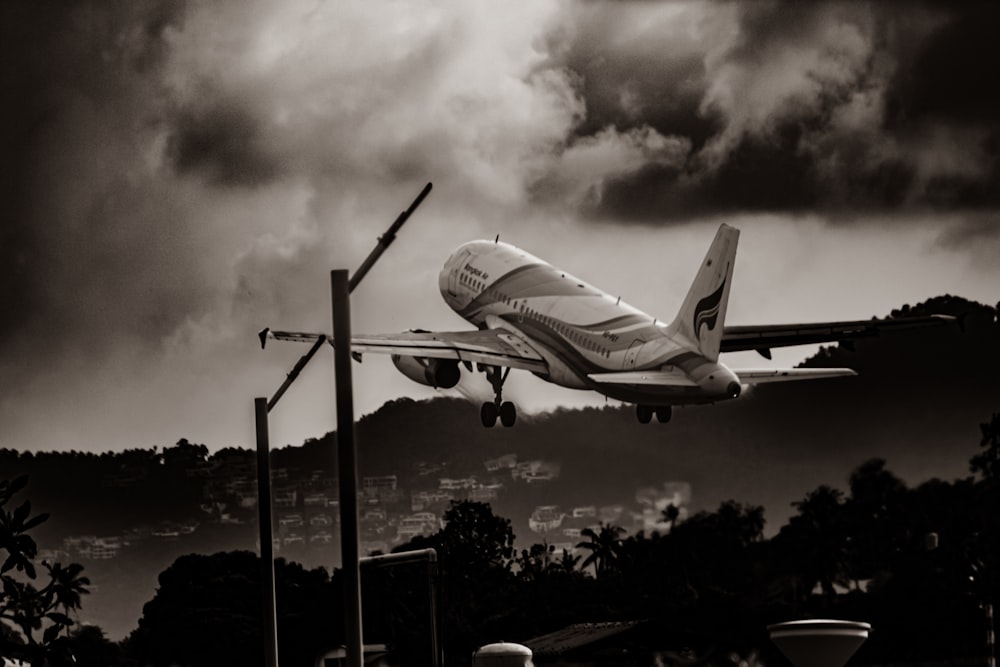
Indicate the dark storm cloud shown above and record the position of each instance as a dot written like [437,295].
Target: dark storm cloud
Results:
[953,71]
[85,233]
[842,107]
[220,144]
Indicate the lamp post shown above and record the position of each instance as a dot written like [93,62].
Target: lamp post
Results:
[340,287]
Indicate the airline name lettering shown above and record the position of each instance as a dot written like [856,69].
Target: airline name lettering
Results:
[476,272]
[610,336]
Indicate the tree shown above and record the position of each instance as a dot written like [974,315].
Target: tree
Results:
[476,553]
[878,518]
[604,546]
[987,462]
[474,536]
[33,610]
[670,514]
[207,612]
[816,540]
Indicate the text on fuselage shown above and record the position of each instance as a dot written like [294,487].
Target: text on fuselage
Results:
[482,275]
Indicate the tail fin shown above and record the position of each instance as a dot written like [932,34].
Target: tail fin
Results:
[703,312]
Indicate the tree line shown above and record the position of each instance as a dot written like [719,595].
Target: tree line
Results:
[918,563]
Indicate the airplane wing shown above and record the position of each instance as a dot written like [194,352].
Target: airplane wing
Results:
[763,375]
[662,378]
[491,346]
[763,337]
[678,378]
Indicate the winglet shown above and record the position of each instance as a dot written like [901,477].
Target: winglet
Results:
[703,314]
[262,334]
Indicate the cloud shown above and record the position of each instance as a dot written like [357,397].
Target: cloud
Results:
[177,175]
[838,106]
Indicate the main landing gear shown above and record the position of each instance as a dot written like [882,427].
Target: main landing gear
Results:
[505,410]
[644,413]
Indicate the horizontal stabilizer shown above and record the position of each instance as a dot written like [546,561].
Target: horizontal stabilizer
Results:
[675,378]
[762,375]
[763,337]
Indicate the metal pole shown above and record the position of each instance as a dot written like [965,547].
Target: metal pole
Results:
[347,468]
[991,651]
[270,617]
[294,373]
[386,239]
[432,582]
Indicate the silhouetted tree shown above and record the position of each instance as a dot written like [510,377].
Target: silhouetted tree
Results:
[30,609]
[604,546]
[476,553]
[207,612]
[815,541]
[670,514]
[987,462]
[876,512]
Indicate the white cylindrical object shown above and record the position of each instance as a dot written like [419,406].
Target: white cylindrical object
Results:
[502,654]
[819,642]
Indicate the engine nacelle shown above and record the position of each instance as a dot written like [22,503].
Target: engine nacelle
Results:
[437,373]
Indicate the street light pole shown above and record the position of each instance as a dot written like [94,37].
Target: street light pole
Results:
[341,287]
[270,617]
[347,467]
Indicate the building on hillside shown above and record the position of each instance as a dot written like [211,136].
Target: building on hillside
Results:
[536,471]
[423,468]
[505,462]
[315,499]
[456,484]
[93,547]
[423,500]
[483,494]
[286,496]
[545,519]
[374,485]
[418,523]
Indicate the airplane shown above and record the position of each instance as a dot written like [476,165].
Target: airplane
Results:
[532,316]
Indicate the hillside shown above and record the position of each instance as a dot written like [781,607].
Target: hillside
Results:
[917,403]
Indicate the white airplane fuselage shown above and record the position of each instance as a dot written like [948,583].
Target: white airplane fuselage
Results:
[578,329]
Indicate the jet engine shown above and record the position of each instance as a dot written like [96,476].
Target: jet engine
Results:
[437,373]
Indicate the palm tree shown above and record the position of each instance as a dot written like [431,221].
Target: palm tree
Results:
[604,547]
[671,513]
[566,563]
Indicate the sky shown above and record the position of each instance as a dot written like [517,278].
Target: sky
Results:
[178,176]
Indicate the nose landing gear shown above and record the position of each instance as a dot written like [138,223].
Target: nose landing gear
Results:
[505,410]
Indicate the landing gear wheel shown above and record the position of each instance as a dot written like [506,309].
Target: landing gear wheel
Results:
[505,410]
[644,413]
[663,414]
[488,415]
[508,413]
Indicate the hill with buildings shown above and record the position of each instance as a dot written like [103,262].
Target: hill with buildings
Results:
[917,404]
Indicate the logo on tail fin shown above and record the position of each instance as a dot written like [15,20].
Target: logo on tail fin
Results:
[707,310]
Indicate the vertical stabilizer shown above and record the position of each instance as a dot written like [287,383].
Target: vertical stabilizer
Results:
[703,314]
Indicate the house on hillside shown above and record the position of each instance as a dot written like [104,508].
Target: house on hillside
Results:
[505,462]
[545,518]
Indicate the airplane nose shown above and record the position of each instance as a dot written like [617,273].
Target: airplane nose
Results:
[734,389]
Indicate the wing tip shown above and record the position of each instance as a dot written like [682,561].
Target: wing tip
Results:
[262,335]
